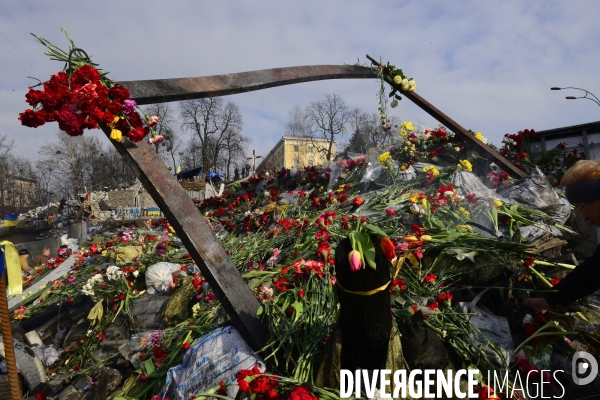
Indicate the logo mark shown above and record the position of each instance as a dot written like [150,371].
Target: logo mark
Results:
[583,372]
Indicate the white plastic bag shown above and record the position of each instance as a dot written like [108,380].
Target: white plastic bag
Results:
[159,276]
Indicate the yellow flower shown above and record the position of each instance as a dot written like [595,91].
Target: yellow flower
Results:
[403,168]
[464,211]
[468,227]
[409,126]
[424,202]
[425,238]
[116,135]
[397,79]
[414,198]
[42,287]
[104,253]
[112,124]
[412,85]
[411,238]
[457,149]
[479,136]
[466,165]
[23,297]
[497,202]
[384,157]
[432,169]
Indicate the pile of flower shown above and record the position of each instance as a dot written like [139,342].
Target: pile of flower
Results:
[281,230]
[80,97]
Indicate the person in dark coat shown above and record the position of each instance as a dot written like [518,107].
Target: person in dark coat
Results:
[236,174]
[582,182]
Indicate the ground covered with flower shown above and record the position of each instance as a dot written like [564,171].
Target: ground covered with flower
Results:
[281,230]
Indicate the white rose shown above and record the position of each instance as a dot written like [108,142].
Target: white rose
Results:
[412,86]
[397,79]
[405,84]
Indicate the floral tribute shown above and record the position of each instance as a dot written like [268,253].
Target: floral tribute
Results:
[81,97]
[281,230]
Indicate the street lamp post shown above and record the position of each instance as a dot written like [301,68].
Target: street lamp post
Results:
[592,98]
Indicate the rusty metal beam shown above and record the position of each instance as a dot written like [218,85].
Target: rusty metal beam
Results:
[477,145]
[165,90]
[198,238]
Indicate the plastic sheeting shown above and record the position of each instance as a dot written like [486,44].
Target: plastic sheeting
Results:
[468,183]
[492,328]
[534,191]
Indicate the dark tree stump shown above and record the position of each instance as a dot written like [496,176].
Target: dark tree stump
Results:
[365,321]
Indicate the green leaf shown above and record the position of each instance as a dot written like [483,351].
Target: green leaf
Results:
[260,310]
[298,310]
[375,230]
[367,247]
[148,367]
[397,97]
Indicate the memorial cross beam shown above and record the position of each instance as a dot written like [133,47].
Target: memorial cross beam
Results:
[199,239]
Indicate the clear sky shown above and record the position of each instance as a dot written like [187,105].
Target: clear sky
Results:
[489,65]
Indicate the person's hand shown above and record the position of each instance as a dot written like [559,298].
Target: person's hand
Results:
[537,304]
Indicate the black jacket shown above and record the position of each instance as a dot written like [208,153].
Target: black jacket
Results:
[582,281]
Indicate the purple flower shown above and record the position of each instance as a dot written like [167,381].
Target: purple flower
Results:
[129,106]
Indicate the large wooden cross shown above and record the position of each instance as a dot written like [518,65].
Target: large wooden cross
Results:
[253,158]
[199,239]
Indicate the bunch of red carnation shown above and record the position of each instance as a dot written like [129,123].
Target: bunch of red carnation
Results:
[81,101]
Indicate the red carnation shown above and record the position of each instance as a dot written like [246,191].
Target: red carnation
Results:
[33,119]
[186,346]
[136,135]
[430,279]
[119,94]
[357,201]
[85,74]
[300,393]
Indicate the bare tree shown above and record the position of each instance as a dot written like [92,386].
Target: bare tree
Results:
[210,120]
[328,118]
[297,125]
[368,133]
[235,145]
[69,166]
[166,127]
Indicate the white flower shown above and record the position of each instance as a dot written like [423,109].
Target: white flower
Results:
[461,254]
[113,273]
[405,85]
[394,104]
[412,86]
[397,79]
[136,273]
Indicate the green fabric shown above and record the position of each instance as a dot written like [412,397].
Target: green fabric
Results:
[176,309]
[123,254]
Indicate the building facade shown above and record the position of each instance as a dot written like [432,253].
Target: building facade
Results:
[582,140]
[298,152]
[17,194]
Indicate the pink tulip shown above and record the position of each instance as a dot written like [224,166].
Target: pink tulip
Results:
[355,260]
